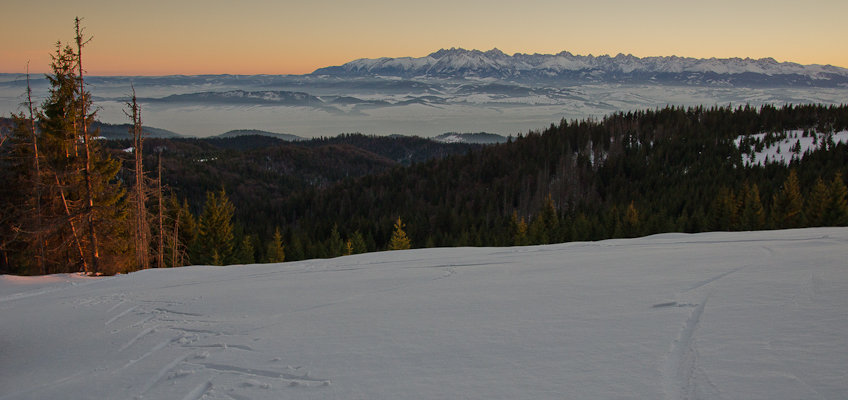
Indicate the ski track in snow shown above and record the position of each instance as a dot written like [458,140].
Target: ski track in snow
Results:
[51,289]
[127,311]
[198,391]
[679,368]
[679,380]
[139,336]
[178,352]
[187,337]
[164,371]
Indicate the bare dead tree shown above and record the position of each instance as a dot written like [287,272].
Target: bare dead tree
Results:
[176,254]
[160,255]
[36,178]
[140,189]
[84,121]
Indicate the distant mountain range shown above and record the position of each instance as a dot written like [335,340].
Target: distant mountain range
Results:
[242,96]
[568,68]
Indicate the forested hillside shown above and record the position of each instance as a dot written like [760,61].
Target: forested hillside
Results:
[628,174]
[625,175]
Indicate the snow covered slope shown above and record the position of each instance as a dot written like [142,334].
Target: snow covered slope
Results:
[782,152]
[711,316]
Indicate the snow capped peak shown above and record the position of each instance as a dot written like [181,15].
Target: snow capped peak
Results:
[462,63]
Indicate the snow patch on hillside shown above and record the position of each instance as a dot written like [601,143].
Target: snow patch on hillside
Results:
[794,146]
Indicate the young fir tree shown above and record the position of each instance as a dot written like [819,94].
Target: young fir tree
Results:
[335,245]
[399,240]
[724,211]
[297,249]
[544,227]
[818,203]
[836,213]
[348,247]
[358,243]
[519,230]
[630,224]
[753,216]
[788,204]
[215,240]
[245,253]
[276,252]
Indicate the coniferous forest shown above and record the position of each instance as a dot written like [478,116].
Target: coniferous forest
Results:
[73,202]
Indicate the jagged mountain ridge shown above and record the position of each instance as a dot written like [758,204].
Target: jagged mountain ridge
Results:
[461,63]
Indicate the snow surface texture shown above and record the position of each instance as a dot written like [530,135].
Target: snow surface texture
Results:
[747,315]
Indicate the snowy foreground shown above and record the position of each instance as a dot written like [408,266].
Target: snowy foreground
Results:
[759,315]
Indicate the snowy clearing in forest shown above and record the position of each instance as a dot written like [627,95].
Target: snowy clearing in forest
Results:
[753,315]
[795,145]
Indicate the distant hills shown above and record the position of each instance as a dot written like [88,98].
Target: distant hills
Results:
[566,67]
[478,138]
[247,132]
[121,131]
[108,131]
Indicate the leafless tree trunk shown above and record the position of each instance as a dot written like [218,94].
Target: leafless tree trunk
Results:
[89,196]
[161,254]
[71,222]
[141,232]
[176,255]
[36,180]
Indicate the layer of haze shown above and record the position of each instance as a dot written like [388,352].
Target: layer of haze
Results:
[158,37]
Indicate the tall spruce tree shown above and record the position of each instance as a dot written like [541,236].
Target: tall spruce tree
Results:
[80,199]
[215,241]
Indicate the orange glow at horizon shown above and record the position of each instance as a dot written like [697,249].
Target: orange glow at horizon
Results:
[298,37]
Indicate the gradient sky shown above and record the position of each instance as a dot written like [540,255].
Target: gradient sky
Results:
[158,37]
